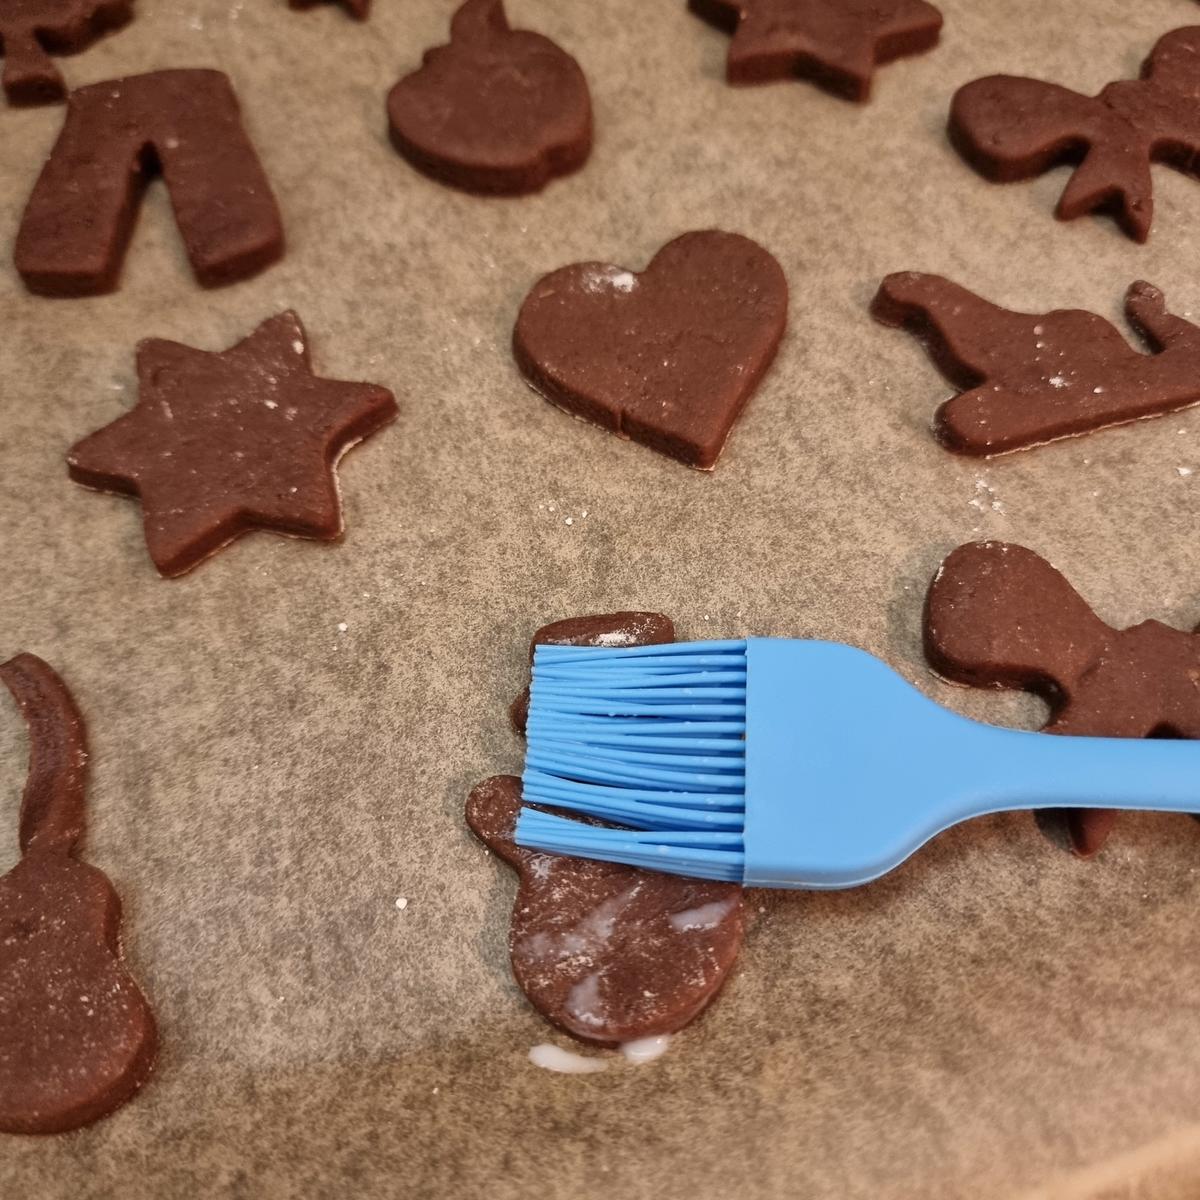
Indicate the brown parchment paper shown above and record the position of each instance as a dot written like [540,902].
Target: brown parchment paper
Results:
[997,1019]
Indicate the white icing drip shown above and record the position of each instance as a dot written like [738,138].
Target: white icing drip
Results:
[706,916]
[602,279]
[646,1049]
[583,1001]
[566,1062]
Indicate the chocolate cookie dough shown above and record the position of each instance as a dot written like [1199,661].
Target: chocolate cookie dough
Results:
[667,357]
[1033,378]
[118,134]
[497,110]
[1010,128]
[997,615]
[359,9]
[77,1037]
[835,43]
[30,30]
[219,444]
[608,953]
[603,629]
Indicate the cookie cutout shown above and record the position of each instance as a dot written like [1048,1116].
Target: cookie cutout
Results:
[117,135]
[358,9]
[608,953]
[1034,378]
[32,30]
[667,357]
[835,43]
[998,615]
[222,443]
[1010,128]
[603,629]
[495,111]
[77,1037]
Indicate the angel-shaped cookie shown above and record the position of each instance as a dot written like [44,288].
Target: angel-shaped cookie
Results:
[1029,378]
[1011,128]
[998,615]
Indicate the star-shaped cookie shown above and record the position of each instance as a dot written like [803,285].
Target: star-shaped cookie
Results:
[836,43]
[222,443]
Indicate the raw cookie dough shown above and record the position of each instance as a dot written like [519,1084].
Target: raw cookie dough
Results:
[667,357]
[1031,378]
[997,615]
[222,443]
[1011,128]
[77,1037]
[497,110]
[835,43]
[116,134]
[32,30]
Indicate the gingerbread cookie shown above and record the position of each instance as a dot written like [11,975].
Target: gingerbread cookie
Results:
[835,43]
[219,444]
[603,629]
[608,953]
[30,30]
[77,1037]
[359,9]
[1010,128]
[997,615]
[117,134]
[1033,378]
[497,110]
[667,357]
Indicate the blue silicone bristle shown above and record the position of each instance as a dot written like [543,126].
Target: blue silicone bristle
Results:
[648,737]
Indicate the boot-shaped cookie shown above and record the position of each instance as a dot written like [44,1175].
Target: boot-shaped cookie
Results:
[1030,378]
[116,135]
[77,1037]
[997,615]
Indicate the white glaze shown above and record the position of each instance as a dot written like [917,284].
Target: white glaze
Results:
[565,1062]
[706,916]
[646,1049]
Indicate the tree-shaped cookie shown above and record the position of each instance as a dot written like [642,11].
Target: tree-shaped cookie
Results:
[609,953]
[77,1037]
[998,615]
[186,124]
[1031,378]
[497,110]
[1011,128]
[835,43]
[32,30]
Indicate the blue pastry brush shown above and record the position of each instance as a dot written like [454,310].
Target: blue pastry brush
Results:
[793,764]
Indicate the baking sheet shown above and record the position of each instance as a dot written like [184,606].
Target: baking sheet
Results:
[997,1019]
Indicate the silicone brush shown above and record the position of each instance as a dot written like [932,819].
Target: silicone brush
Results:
[794,764]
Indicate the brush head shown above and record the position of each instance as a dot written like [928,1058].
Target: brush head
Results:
[652,738]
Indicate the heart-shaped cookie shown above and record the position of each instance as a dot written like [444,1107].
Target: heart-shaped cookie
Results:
[667,357]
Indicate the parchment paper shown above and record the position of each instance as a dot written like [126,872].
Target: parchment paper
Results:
[997,1019]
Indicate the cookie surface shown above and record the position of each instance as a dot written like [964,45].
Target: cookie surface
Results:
[222,443]
[998,615]
[835,43]
[116,135]
[1011,128]
[77,1037]
[31,29]
[1033,378]
[497,110]
[667,357]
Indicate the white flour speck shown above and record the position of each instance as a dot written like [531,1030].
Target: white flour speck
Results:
[1057,381]
[402,904]
[342,627]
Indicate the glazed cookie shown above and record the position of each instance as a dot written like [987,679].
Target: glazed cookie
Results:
[1033,378]
[497,110]
[219,444]
[609,953]
[1009,128]
[667,357]
[117,134]
[835,43]
[77,1037]
[997,615]
[31,30]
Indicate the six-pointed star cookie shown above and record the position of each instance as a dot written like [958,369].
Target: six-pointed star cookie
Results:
[219,444]
[836,43]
